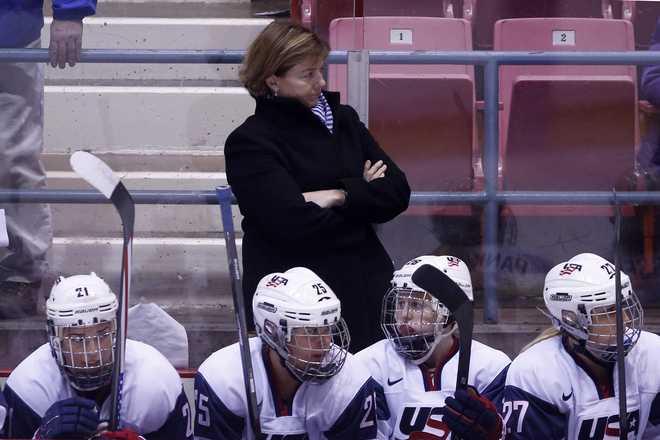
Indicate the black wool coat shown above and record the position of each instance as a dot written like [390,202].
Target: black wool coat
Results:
[284,150]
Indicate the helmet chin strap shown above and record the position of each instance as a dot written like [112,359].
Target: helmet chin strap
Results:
[282,360]
[438,338]
[291,371]
[580,347]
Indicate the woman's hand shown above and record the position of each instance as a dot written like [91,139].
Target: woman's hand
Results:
[327,198]
[375,171]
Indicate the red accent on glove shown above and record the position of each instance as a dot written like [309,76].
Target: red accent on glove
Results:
[475,415]
[122,434]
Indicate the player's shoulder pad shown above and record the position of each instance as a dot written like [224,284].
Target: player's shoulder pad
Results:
[143,364]
[380,359]
[485,356]
[143,360]
[344,385]
[645,356]
[488,368]
[541,370]
[225,383]
[37,380]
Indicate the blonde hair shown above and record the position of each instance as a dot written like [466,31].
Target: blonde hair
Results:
[548,333]
[279,47]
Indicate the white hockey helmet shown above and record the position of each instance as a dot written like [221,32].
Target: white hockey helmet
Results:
[82,322]
[299,316]
[580,295]
[414,320]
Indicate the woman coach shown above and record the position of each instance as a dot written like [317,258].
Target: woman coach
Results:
[310,180]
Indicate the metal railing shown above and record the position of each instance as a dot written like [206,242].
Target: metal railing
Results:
[358,83]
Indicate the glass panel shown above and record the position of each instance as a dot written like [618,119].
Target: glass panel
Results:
[163,127]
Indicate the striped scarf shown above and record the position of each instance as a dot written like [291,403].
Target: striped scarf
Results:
[324,113]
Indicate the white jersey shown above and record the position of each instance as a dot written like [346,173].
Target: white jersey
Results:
[153,401]
[342,407]
[549,394]
[413,394]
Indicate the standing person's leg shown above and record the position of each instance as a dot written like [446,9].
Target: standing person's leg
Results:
[23,264]
[377,289]
[354,311]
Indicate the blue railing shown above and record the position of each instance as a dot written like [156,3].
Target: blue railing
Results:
[490,198]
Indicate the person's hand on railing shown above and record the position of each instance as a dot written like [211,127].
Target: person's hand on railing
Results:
[327,198]
[65,42]
[374,171]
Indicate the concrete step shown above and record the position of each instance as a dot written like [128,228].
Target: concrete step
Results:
[204,160]
[169,170]
[159,33]
[185,221]
[147,180]
[174,272]
[185,8]
[148,118]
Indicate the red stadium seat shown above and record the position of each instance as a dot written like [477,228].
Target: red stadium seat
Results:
[567,128]
[424,117]
[434,144]
[487,12]
[557,114]
[317,14]
[412,8]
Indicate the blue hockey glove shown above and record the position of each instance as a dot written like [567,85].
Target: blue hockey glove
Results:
[71,418]
[471,416]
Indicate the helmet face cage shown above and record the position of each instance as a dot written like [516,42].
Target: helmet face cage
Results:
[310,353]
[85,353]
[414,321]
[601,328]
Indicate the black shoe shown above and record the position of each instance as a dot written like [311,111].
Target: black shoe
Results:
[18,300]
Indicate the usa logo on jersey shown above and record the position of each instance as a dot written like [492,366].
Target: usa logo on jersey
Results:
[605,427]
[421,423]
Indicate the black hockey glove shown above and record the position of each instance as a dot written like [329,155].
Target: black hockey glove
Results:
[471,416]
[73,418]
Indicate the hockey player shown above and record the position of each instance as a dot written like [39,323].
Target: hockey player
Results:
[308,386]
[416,366]
[62,389]
[565,384]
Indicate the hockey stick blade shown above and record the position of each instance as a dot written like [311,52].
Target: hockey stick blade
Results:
[98,174]
[438,284]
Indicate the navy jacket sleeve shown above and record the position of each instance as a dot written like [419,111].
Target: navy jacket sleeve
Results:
[495,390]
[73,9]
[213,420]
[22,421]
[358,421]
[269,196]
[381,199]
[526,417]
[651,76]
[178,424]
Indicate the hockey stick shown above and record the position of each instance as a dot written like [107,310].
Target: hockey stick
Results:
[101,177]
[447,292]
[620,349]
[225,197]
